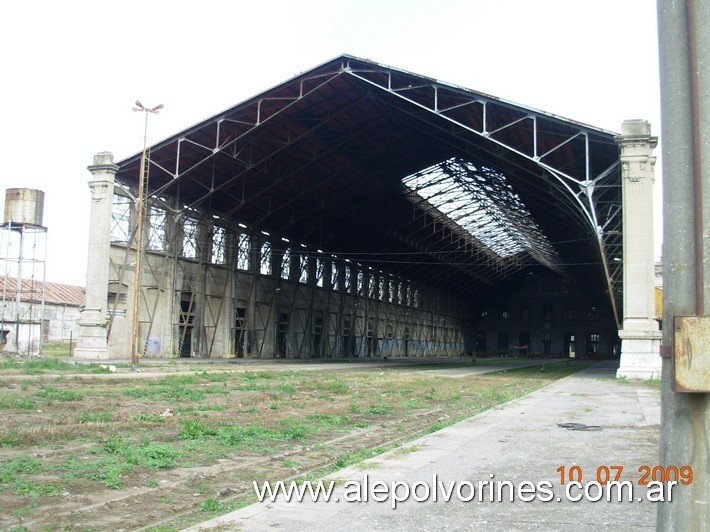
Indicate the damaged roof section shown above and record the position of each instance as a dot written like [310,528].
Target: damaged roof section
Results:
[482,203]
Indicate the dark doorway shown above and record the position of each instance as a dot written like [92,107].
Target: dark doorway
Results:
[240,331]
[570,345]
[524,344]
[281,334]
[187,322]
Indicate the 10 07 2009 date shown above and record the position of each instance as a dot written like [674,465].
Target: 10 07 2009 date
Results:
[646,474]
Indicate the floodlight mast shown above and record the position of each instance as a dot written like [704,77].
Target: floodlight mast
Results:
[142,186]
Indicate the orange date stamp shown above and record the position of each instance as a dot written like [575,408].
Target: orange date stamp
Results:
[605,474]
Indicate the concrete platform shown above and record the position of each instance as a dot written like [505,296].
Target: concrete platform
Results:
[517,442]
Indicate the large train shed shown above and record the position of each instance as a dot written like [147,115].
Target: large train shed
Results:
[360,210]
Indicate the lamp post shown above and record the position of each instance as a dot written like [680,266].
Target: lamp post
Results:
[142,185]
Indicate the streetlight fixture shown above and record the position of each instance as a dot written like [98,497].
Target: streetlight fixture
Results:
[142,186]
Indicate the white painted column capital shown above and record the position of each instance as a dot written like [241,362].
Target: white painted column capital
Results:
[636,151]
[640,335]
[92,342]
[103,173]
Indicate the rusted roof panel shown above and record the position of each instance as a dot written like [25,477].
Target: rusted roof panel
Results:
[54,293]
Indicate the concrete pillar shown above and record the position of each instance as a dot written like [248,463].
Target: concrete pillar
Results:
[640,336]
[684,50]
[92,342]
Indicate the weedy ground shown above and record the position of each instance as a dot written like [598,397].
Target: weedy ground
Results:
[85,449]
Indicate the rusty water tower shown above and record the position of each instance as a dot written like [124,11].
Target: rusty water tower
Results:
[23,249]
[23,206]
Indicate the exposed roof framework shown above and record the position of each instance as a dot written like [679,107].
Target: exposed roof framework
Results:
[481,203]
[397,170]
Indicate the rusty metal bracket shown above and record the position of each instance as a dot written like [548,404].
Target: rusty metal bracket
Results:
[666,351]
[691,349]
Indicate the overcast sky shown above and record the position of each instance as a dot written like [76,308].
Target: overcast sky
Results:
[71,71]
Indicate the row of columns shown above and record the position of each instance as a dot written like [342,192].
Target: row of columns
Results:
[639,333]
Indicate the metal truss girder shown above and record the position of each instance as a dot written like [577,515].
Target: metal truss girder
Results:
[224,144]
[314,183]
[532,153]
[584,184]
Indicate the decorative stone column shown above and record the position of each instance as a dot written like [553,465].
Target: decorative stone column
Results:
[640,336]
[92,341]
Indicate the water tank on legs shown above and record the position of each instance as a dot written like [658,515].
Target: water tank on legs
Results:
[24,206]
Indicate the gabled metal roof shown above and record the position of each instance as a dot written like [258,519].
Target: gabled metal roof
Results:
[34,291]
[321,159]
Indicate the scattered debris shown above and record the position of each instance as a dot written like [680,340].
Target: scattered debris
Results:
[578,426]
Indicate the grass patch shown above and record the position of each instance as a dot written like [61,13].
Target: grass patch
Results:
[165,393]
[211,505]
[26,511]
[144,454]
[213,377]
[250,376]
[94,417]
[25,464]
[118,439]
[55,394]
[148,418]
[27,488]
[43,365]
[339,387]
[194,429]
[108,469]
[349,459]
[378,409]
[202,408]
[177,380]
[20,403]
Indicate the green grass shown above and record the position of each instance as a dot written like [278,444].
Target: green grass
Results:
[27,488]
[339,387]
[211,505]
[176,380]
[194,429]
[13,401]
[107,469]
[286,388]
[654,383]
[148,418]
[144,454]
[165,393]
[13,474]
[26,511]
[247,436]
[250,376]
[42,365]
[103,416]
[55,394]
[214,377]
[25,464]
[376,409]
[348,459]
[254,386]
[55,349]
[201,408]
[125,442]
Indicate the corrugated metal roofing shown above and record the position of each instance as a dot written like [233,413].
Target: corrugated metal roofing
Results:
[54,293]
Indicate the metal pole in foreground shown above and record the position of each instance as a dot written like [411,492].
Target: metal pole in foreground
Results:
[139,232]
[685,111]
